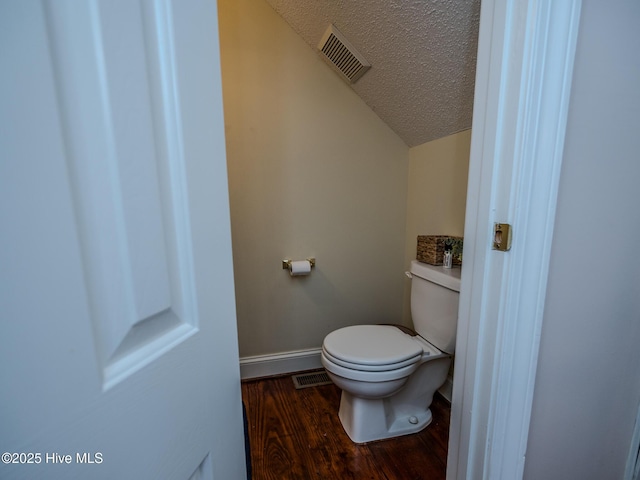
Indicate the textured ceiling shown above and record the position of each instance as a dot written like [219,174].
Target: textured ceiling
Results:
[422,52]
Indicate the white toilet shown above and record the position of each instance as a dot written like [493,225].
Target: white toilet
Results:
[388,374]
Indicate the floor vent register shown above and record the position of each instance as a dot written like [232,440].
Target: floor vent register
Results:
[311,379]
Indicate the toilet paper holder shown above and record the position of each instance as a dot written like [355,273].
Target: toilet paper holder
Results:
[287,262]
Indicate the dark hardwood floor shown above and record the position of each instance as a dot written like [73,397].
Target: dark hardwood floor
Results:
[296,434]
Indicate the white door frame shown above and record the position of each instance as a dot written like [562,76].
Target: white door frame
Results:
[523,81]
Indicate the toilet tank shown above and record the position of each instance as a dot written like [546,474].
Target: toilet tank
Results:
[435,292]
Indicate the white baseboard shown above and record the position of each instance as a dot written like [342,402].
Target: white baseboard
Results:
[446,389]
[298,361]
[279,363]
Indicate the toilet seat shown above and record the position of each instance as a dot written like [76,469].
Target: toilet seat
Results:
[367,376]
[372,348]
[370,368]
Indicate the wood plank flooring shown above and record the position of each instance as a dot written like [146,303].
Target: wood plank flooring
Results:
[296,434]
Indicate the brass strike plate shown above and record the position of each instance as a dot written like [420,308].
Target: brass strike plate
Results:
[501,236]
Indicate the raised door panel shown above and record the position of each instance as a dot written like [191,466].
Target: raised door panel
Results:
[127,177]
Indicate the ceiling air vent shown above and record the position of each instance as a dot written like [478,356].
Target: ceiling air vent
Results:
[340,54]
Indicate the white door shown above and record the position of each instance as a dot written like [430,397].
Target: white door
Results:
[118,346]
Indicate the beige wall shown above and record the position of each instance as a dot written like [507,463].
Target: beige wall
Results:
[437,193]
[312,172]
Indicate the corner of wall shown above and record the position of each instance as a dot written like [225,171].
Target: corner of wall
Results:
[436,194]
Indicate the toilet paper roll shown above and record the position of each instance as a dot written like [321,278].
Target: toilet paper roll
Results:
[299,268]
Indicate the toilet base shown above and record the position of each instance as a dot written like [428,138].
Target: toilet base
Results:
[366,420]
[402,413]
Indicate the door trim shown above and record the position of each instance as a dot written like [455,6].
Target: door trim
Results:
[523,81]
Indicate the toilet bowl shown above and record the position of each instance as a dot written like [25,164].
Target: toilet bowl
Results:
[389,374]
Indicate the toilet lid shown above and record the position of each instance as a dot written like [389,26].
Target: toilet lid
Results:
[372,345]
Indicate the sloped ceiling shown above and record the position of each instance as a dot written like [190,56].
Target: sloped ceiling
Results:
[422,52]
